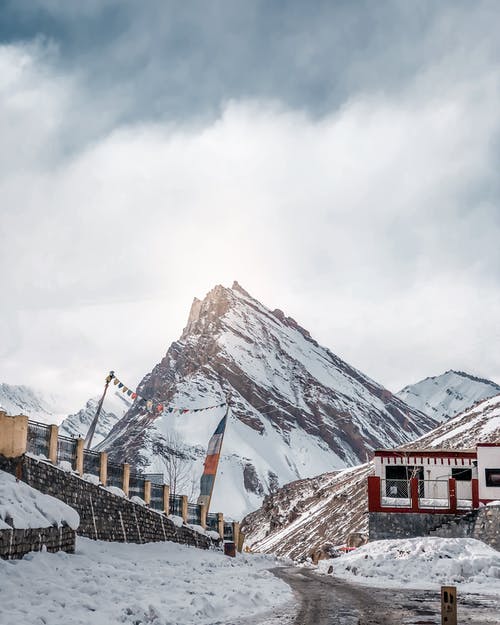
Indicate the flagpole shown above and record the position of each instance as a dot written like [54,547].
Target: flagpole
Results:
[218,459]
[93,425]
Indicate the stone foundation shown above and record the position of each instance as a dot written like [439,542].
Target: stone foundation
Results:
[482,524]
[16,543]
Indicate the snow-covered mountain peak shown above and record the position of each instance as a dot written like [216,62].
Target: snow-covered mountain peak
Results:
[447,395]
[298,409]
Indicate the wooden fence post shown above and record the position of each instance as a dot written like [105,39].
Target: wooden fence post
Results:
[125,477]
[220,525]
[166,499]
[53,434]
[203,516]
[147,491]
[79,456]
[103,467]
[184,508]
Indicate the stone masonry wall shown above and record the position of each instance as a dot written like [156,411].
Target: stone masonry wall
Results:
[16,543]
[482,524]
[103,515]
[382,525]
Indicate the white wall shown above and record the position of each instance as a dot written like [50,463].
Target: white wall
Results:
[487,458]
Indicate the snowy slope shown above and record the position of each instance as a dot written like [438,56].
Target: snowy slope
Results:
[25,400]
[125,584]
[307,515]
[479,424]
[297,409]
[113,409]
[446,395]
[428,563]
[22,507]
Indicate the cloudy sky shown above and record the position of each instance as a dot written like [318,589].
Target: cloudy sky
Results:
[339,159]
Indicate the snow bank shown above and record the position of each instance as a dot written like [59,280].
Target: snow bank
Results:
[26,507]
[158,583]
[422,563]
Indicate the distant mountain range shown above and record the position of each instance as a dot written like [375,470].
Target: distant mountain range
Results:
[446,395]
[46,408]
[298,410]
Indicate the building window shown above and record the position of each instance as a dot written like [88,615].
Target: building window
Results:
[462,475]
[492,477]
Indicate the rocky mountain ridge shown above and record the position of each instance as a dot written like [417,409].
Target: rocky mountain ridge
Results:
[448,394]
[297,409]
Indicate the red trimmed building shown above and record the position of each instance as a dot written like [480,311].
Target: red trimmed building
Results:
[434,480]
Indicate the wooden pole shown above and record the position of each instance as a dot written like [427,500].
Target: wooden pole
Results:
[93,425]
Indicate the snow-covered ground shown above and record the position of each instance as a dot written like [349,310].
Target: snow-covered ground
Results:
[423,563]
[156,584]
[24,507]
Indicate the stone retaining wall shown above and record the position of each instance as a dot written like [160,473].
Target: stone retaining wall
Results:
[103,515]
[482,524]
[16,543]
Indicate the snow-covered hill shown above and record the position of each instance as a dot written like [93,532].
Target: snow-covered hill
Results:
[446,395]
[307,515]
[38,406]
[297,409]
[77,425]
[479,424]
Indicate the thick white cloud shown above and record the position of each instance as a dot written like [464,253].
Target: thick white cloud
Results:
[374,226]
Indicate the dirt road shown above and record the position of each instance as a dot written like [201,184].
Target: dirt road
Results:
[325,600]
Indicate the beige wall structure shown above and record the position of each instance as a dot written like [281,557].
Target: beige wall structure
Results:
[53,434]
[126,478]
[13,435]
[103,468]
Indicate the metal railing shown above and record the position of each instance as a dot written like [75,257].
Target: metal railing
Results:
[176,505]
[156,496]
[228,531]
[212,522]
[154,478]
[435,494]
[66,450]
[395,492]
[91,462]
[194,514]
[115,475]
[136,485]
[38,439]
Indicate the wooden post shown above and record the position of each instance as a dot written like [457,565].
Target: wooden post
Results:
[184,508]
[220,525]
[79,456]
[53,434]
[166,499]
[448,605]
[125,477]
[236,534]
[414,493]
[147,491]
[203,516]
[453,494]
[103,467]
